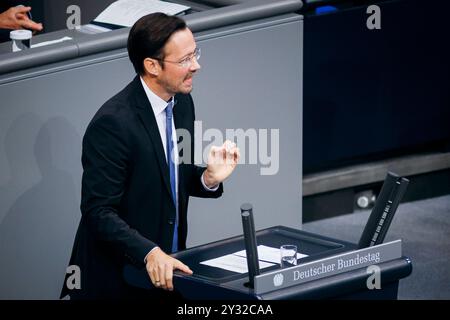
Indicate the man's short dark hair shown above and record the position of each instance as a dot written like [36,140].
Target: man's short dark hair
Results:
[148,37]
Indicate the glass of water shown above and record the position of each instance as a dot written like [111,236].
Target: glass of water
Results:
[288,254]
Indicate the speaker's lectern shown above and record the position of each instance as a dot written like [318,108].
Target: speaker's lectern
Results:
[333,269]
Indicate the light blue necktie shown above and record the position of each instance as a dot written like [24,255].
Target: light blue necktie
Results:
[170,162]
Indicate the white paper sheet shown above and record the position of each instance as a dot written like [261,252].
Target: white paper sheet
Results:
[46,43]
[233,263]
[127,12]
[270,254]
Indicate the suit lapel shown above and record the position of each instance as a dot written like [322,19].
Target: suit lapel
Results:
[177,114]
[147,117]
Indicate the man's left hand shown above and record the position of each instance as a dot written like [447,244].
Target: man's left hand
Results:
[221,163]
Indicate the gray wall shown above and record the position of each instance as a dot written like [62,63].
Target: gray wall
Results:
[251,78]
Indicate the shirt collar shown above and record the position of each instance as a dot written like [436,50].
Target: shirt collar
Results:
[158,104]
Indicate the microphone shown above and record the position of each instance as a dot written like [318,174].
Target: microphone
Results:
[392,191]
[250,242]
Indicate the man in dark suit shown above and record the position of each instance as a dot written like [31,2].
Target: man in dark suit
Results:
[134,194]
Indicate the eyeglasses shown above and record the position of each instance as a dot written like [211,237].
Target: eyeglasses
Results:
[186,62]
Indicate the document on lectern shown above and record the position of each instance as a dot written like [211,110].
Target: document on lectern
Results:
[126,12]
[237,261]
[234,263]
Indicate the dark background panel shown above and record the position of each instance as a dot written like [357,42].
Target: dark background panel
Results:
[373,94]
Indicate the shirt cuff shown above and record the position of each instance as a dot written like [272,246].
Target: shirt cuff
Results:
[145,259]
[215,188]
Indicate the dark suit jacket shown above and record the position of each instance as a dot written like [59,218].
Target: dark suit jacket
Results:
[126,202]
